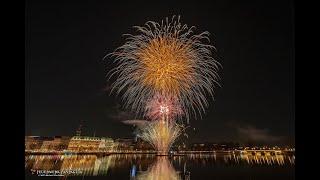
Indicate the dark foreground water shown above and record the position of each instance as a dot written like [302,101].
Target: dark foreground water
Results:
[151,167]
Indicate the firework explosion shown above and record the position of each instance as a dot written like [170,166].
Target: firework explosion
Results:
[164,74]
[165,59]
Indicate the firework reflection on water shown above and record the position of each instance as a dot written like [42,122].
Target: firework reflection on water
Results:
[162,169]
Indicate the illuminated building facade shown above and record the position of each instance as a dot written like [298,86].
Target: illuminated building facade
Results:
[57,143]
[143,145]
[126,144]
[85,143]
[76,143]
[32,142]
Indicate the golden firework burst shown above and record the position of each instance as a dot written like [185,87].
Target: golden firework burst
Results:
[165,58]
[166,65]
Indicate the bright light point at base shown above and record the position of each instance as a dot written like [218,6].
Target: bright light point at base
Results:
[164,109]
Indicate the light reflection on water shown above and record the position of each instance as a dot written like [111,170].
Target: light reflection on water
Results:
[162,169]
[149,166]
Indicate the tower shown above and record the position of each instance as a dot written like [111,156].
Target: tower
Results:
[78,131]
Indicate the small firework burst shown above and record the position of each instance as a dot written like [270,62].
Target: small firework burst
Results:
[162,106]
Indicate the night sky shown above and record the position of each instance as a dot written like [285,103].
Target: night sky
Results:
[66,75]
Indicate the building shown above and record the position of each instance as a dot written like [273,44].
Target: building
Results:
[224,146]
[126,144]
[32,142]
[57,143]
[85,144]
[143,145]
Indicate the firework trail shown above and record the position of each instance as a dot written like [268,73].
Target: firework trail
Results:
[165,59]
[160,134]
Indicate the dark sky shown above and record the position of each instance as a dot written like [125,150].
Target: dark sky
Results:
[65,73]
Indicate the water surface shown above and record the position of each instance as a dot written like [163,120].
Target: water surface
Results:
[149,166]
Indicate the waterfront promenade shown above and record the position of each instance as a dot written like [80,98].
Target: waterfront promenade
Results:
[247,152]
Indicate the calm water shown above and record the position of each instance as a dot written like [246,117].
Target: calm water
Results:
[151,167]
